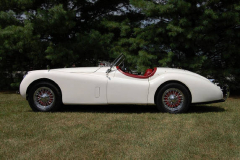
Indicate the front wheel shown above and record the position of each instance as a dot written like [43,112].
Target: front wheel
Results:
[173,98]
[44,97]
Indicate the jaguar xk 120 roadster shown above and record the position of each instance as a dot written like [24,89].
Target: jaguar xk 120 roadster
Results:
[172,90]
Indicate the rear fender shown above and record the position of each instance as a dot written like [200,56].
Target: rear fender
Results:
[201,89]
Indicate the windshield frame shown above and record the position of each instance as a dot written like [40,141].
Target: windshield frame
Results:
[118,61]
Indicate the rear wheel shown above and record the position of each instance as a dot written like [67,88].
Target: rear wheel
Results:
[173,98]
[44,97]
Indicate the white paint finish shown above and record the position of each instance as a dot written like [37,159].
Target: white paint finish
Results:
[80,88]
[29,78]
[76,70]
[79,85]
[97,92]
[123,89]
[77,88]
[161,71]
[202,90]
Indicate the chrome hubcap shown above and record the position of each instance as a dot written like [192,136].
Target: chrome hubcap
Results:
[173,98]
[44,98]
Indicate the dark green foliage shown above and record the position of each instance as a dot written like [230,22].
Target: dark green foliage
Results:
[34,34]
[201,36]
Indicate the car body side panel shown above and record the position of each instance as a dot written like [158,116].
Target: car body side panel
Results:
[202,90]
[123,89]
[77,88]
[83,88]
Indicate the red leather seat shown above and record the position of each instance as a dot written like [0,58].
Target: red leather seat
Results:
[148,72]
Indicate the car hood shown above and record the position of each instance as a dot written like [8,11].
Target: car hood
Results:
[77,70]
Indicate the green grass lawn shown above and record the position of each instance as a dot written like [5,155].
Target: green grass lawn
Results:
[118,132]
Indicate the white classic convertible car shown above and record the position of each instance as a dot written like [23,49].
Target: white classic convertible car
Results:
[172,90]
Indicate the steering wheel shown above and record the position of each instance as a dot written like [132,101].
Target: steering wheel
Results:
[125,69]
[128,70]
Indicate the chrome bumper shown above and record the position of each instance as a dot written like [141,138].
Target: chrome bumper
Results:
[226,92]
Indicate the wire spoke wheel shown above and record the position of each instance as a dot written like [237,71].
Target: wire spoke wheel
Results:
[44,98]
[173,99]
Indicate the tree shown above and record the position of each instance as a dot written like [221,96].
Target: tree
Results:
[37,33]
[201,36]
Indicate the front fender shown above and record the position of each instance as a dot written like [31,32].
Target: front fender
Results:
[201,89]
[30,78]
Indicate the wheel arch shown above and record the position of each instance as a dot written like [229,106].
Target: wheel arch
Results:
[171,81]
[42,80]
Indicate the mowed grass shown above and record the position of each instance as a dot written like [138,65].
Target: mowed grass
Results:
[118,132]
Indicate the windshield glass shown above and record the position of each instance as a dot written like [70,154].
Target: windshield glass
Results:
[118,61]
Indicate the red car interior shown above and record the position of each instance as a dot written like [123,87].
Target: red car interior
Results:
[148,73]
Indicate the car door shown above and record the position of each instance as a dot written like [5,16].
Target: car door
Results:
[122,89]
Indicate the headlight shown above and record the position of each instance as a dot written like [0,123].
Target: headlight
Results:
[25,75]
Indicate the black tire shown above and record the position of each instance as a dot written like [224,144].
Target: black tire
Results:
[44,97]
[173,98]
